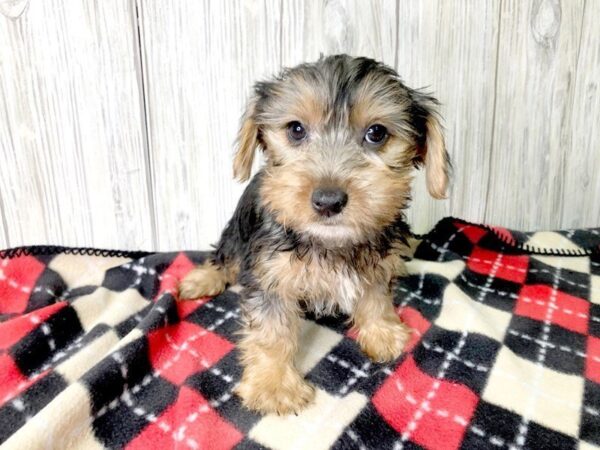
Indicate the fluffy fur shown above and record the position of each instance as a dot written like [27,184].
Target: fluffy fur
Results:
[284,253]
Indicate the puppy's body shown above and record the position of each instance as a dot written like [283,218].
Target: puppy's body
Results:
[322,224]
[261,253]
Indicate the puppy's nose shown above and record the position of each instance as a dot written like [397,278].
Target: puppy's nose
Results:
[329,201]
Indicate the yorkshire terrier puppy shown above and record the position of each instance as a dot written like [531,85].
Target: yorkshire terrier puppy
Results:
[321,226]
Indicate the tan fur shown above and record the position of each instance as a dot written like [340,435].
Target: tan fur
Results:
[381,334]
[302,104]
[329,286]
[376,193]
[296,99]
[436,164]
[270,382]
[247,144]
[206,280]
[372,105]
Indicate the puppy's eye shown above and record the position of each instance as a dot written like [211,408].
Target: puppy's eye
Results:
[376,134]
[296,132]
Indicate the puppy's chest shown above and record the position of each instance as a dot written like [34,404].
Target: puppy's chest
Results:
[324,286]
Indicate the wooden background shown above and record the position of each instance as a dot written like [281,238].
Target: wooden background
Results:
[117,118]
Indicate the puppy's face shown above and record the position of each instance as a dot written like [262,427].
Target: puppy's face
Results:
[341,138]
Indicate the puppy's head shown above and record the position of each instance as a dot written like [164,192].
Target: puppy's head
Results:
[341,137]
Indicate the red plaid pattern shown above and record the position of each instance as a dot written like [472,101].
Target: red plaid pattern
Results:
[569,312]
[13,331]
[513,268]
[191,347]
[189,422]
[429,411]
[505,353]
[17,280]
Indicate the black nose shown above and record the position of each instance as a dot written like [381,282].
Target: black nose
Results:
[329,201]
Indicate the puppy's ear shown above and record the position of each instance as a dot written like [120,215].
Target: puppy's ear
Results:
[247,142]
[431,147]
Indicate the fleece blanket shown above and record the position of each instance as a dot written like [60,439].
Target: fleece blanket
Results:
[95,352]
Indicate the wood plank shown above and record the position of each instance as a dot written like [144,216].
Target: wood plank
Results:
[72,130]
[532,129]
[200,58]
[3,234]
[76,169]
[449,49]
[581,207]
[353,26]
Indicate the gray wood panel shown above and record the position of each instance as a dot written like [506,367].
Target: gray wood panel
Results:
[3,234]
[359,28]
[532,128]
[71,134]
[581,190]
[200,58]
[449,48]
[118,119]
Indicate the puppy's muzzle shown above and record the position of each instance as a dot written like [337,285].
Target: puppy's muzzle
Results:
[328,202]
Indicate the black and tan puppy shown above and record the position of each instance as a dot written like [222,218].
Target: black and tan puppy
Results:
[321,225]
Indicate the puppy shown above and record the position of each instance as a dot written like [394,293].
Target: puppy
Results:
[321,226]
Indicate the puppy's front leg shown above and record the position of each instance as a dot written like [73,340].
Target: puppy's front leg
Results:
[381,334]
[270,382]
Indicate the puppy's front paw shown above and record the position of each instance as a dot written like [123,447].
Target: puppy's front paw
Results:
[383,341]
[284,396]
[203,281]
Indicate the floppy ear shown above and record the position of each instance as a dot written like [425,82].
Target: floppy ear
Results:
[247,142]
[431,146]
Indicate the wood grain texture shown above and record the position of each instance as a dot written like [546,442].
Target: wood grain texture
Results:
[449,49]
[118,119]
[3,234]
[71,142]
[533,114]
[581,190]
[359,28]
[200,58]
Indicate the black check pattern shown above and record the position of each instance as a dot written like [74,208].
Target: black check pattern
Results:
[96,351]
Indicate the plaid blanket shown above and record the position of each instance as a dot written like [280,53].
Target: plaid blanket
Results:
[96,352]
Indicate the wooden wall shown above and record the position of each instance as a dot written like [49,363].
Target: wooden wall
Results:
[117,118]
